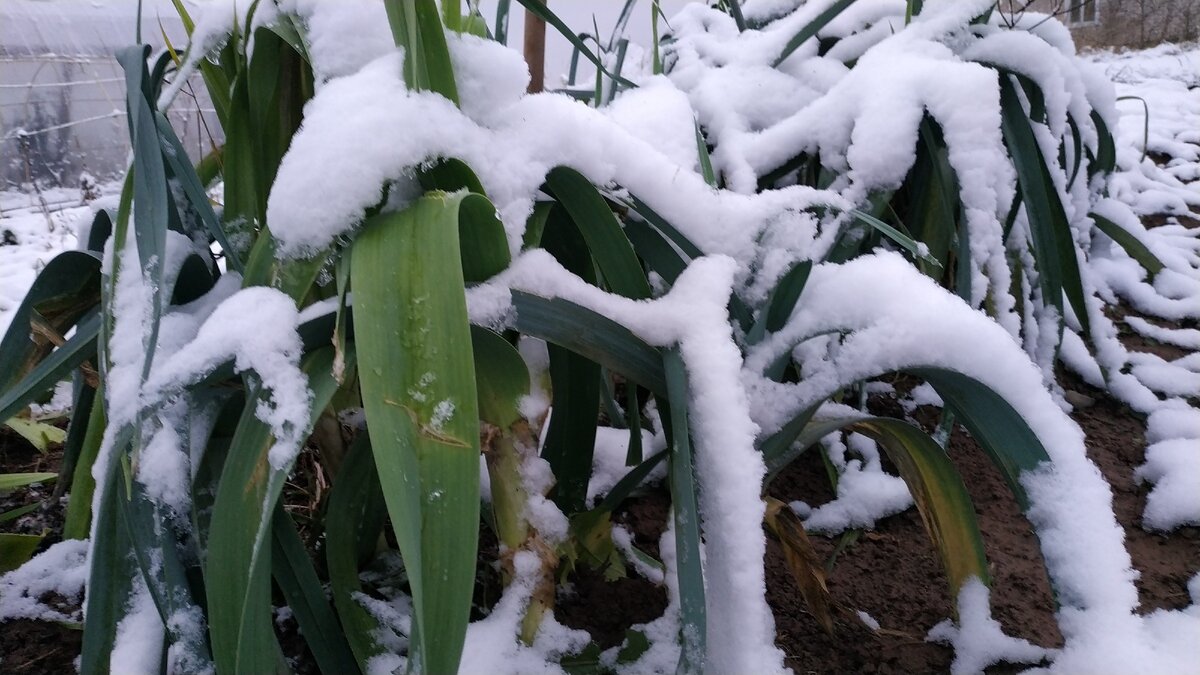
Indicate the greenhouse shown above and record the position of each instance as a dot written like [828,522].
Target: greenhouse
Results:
[62,92]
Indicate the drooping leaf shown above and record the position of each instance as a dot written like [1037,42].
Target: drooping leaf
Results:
[1132,245]
[802,561]
[63,293]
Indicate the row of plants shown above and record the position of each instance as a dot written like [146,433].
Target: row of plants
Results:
[203,358]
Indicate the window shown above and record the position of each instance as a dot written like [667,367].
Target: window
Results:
[1083,11]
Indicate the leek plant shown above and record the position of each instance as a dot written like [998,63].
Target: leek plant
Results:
[386,331]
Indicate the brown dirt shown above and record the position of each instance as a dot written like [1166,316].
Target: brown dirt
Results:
[29,647]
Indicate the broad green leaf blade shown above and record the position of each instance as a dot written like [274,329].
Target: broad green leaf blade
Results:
[155,550]
[502,8]
[485,250]
[501,376]
[239,582]
[782,302]
[941,498]
[932,188]
[417,27]
[197,196]
[64,291]
[1132,245]
[83,484]
[278,83]
[81,411]
[654,250]
[39,434]
[694,621]
[1106,153]
[16,549]
[79,348]
[786,294]
[706,167]
[11,481]
[1076,150]
[630,482]
[589,334]
[1000,431]
[450,175]
[735,10]
[811,29]
[8,516]
[150,199]
[239,608]
[419,395]
[110,571]
[100,231]
[293,571]
[737,308]
[605,240]
[355,516]
[570,436]
[633,418]
[245,208]
[791,441]
[1053,245]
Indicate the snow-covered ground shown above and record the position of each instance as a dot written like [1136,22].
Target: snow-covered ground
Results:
[33,229]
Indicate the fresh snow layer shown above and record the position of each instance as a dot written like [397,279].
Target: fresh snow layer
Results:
[60,570]
[30,236]
[978,639]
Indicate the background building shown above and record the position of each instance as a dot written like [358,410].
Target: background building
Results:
[1119,23]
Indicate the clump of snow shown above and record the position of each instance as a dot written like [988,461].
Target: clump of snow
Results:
[978,639]
[60,570]
[924,394]
[868,620]
[29,238]
[137,646]
[1174,468]
[492,644]
[256,329]
[543,514]
[865,492]
[165,471]
[623,539]
[608,459]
